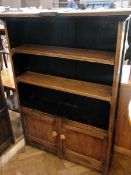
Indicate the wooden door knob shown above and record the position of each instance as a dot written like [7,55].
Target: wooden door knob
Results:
[54,133]
[62,137]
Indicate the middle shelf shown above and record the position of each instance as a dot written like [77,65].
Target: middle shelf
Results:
[87,89]
[95,56]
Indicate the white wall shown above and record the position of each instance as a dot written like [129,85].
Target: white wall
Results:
[47,3]
[31,3]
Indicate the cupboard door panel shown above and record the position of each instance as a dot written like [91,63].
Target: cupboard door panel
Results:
[41,129]
[84,146]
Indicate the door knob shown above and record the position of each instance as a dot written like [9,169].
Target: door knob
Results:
[54,133]
[62,137]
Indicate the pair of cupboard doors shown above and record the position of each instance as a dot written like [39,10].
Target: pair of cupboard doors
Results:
[68,139]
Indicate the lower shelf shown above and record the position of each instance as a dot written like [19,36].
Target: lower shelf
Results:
[74,141]
[65,105]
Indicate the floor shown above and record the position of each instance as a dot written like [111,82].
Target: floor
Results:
[16,125]
[26,160]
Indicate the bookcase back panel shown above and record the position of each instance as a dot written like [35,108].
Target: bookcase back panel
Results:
[77,32]
[74,107]
[85,71]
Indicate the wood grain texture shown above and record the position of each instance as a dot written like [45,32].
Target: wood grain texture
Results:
[68,53]
[90,130]
[76,134]
[39,128]
[122,151]
[77,144]
[87,89]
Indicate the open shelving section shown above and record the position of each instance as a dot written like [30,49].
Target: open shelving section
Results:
[67,69]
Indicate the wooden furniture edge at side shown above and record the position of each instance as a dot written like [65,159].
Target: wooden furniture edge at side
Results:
[117,69]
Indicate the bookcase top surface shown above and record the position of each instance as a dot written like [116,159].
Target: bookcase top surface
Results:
[121,12]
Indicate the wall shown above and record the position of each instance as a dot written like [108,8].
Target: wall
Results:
[32,3]
[11,3]
[46,4]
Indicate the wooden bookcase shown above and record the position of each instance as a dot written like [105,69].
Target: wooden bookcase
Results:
[67,68]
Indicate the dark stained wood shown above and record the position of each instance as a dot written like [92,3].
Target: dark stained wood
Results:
[41,128]
[67,53]
[87,89]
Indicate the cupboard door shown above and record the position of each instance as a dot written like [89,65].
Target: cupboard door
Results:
[41,129]
[6,135]
[84,144]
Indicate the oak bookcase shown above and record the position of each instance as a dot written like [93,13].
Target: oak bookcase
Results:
[67,69]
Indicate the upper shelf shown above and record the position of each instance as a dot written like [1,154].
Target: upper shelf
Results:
[87,89]
[68,53]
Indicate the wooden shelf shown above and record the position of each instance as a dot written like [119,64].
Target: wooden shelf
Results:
[93,90]
[68,53]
